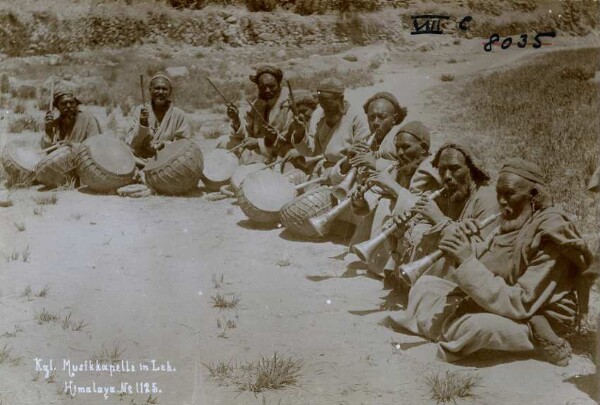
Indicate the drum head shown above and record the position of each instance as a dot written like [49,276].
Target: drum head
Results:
[267,190]
[111,154]
[25,157]
[168,153]
[244,170]
[219,165]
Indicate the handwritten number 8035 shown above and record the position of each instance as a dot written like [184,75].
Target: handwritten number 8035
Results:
[494,38]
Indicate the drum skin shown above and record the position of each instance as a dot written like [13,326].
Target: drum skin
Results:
[219,166]
[104,164]
[262,194]
[176,169]
[296,214]
[19,164]
[241,172]
[57,168]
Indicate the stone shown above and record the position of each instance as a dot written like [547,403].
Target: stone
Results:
[177,71]
[232,19]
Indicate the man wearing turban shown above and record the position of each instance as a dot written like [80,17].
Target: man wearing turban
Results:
[72,125]
[523,287]
[150,128]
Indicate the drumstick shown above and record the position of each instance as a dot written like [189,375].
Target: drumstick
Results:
[142,87]
[51,96]
[53,147]
[227,102]
[258,113]
[241,145]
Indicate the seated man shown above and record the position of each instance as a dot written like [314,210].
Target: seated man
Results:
[467,195]
[149,129]
[517,289]
[306,104]
[337,126]
[72,125]
[260,132]
[392,192]
[384,115]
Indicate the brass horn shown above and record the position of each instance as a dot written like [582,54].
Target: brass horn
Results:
[365,249]
[343,189]
[322,222]
[411,272]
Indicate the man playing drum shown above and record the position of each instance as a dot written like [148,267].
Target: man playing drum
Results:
[467,195]
[150,128]
[391,192]
[72,125]
[274,108]
[525,286]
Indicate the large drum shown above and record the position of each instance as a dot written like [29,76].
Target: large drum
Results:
[57,168]
[19,164]
[296,214]
[219,166]
[104,164]
[242,172]
[262,195]
[176,169]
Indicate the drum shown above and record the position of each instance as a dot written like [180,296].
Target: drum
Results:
[176,169]
[242,171]
[19,164]
[219,166]
[296,214]
[296,176]
[104,164]
[263,193]
[57,168]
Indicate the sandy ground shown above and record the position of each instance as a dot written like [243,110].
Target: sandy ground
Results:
[140,272]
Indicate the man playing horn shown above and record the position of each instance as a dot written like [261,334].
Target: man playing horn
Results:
[524,287]
[337,126]
[391,192]
[72,125]
[150,128]
[271,107]
[467,195]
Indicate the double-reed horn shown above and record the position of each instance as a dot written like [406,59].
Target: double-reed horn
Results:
[411,272]
[322,222]
[343,189]
[365,249]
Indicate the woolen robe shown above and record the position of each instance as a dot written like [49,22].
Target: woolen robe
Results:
[86,125]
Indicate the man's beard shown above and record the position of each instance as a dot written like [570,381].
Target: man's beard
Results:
[510,225]
[69,116]
[460,193]
[406,169]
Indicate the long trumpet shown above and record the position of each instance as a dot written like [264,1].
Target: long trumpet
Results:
[343,189]
[321,223]
[365,249]
[411,272]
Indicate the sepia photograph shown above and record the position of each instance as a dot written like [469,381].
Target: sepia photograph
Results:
[299,202]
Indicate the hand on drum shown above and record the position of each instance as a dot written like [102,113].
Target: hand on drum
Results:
[234,115]
[456,245]
[157,145]
[429,210]
[144,114]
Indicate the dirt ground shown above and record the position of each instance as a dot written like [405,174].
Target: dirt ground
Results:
[141,274]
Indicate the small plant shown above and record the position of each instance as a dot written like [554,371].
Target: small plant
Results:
[230,324]
[19,107]
[20,226]
[36,376]
[46,317]
[66,322]
[47,199]
[218,281]
[14,256]
[5,354]
[43,292]
[106,355]
[447,77]
[452,60]
[151,400]
[38,211]
[449,385]
[51,377]
[269,373]
[12,334]
[69,184]
[25,254]
[219,371]
[283,263]
[75,216]
[4,84]
[25,122]
[26,293]
[220,301]
[78,326]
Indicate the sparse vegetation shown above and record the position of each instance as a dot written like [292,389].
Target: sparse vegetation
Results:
[25,254]
[14,256]
[25,122]
[20,226]
[218,281]
[283,263]
[38,211]
[43,292]
[447,77]
[449,385]
[47,199]
[46,317]
[68,324]
[27,292]
[51,377]
[222,302]
[106,355]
